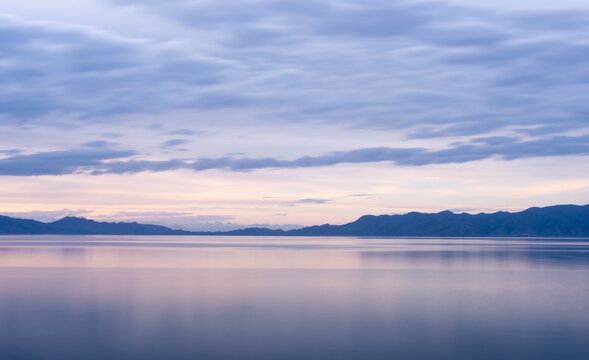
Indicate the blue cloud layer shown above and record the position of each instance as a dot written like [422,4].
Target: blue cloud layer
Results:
[432,70]
[99,161]
[399,64]
[387,64]
[59,162]
[54,68]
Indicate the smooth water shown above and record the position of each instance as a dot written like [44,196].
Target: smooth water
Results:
[149,297]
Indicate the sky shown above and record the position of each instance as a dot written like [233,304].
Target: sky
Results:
[214,115]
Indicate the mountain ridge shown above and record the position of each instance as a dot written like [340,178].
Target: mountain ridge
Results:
[550,221]
[71,225]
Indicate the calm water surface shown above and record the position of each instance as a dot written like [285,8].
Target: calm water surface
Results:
[136,297]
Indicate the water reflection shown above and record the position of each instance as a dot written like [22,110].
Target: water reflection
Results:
[272,298]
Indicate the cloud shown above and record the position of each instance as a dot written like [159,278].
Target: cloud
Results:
[306,201]
[187,220]
[483,148]
[59,162]
[173,142]
[136,166]
[381,64]
[112,135]
[55,68]
[99,160]
[178,216]
[100,144]
[398,64]
[10,151]
[93,159]
[367,196]
[48,215]
[187,132]
[466,210]
[430,70]
[173,219]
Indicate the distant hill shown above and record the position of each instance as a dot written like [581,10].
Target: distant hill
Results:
[560,220]
[81,226]
[552,221]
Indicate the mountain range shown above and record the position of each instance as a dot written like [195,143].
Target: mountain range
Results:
[551,221]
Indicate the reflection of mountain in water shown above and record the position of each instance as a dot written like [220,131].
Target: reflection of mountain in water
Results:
[558,254]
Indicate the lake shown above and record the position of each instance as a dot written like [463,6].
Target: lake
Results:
[191,297]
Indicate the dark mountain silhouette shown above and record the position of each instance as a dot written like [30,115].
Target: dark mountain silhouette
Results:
[552,221]
[81,226]
[10,225]
[556,221]
[561,220]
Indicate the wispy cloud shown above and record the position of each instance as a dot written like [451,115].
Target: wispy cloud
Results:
[56,68]
[46,215]
[188,132]
[173,142]
[10,152]
[312,201]
[105,161]
[405,63]
[59,162]
[384,64]
[100,144]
